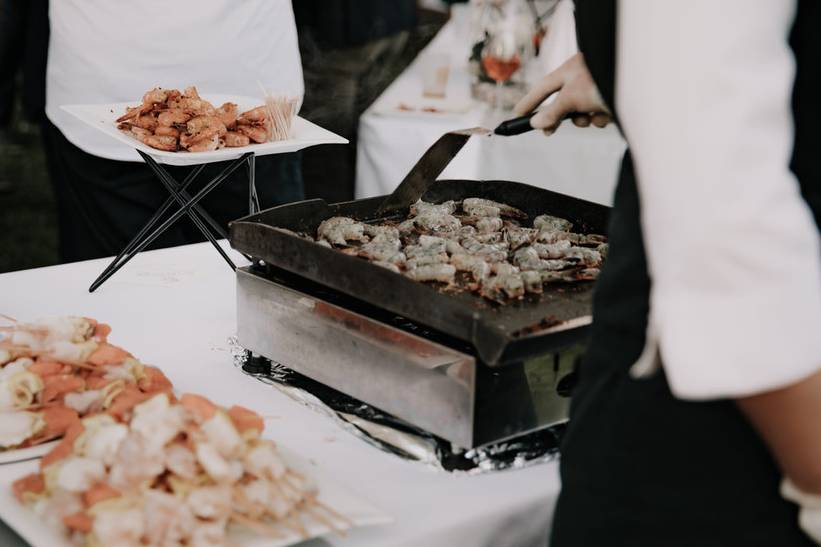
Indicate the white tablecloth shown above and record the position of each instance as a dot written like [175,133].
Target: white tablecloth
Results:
[574,161]
[175,308]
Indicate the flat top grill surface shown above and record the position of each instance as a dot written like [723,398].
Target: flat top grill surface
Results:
[500,333]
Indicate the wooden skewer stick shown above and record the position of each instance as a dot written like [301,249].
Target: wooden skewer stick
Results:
[256,526]
[299,524]
[334,512]
[323,520]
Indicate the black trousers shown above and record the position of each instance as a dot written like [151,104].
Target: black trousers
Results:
[102,204]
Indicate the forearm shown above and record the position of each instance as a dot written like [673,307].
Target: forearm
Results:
[789,421]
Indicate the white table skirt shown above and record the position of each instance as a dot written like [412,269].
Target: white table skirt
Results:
[175,308]
[579,162]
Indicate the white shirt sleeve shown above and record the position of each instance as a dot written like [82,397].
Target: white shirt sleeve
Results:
[703,93]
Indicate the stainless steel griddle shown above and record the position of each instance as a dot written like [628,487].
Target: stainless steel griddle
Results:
[453,363]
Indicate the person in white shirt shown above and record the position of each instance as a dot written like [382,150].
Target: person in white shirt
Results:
[103,51]
[701,390]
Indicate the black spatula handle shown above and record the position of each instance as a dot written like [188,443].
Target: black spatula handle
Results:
[517,126]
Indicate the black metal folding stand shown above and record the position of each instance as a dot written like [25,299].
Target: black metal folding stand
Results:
[188,206]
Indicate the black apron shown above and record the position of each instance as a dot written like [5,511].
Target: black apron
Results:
[640,467]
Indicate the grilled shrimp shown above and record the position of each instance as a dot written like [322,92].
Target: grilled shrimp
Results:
[527,258]
[174,116]
[552,250]
[256,133]
[161,142]
[532,281]
[423,207]
[504,269]
[227,113]
[427,245]
[432,221]
[382,252]
[16,427]
[476,266]
[340,230]
[163,131]
[19,390]
[254,116]
[205,125]
[549,223]
[443,273]
[588,257]
[519,237]
[204,145]
[427,259]
[500,286]
[145,121]
[233,139]
[486,207]
[388,233]
[123,527]
[156,96]
[484,225]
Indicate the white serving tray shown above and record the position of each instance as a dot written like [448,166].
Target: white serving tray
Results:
[303,132]
[30,527]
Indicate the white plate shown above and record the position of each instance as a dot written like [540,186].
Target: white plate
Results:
[30,527]
[303,132]
[22,454]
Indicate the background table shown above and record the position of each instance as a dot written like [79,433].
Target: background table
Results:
[574,161]
[175,308]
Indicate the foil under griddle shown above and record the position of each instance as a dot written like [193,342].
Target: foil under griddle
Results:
[396,436]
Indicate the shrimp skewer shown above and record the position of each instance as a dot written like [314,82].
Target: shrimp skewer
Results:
[187,469]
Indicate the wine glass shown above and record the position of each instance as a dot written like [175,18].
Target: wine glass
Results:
[503,54]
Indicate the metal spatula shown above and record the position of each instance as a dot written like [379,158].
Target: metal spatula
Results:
[429,166]
[439,155]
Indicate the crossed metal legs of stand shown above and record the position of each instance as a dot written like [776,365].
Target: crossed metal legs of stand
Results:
[188,206]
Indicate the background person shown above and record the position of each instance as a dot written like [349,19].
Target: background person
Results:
[106,52]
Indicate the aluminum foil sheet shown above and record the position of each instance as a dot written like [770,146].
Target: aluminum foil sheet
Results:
[396,436]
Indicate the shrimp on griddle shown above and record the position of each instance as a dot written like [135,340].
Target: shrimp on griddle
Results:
[340,230]
[484,225]
[590,258]
[488,208]
[519,237]
[443,273]
[427,245]
[423,207]
[549,223]
[382,251]
[500,287]
[532,281]
[433,221]
[386,233]
[552,250]
[478,268]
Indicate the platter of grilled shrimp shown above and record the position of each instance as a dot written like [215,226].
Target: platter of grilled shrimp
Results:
[476,245]
[184,127]
[134,462]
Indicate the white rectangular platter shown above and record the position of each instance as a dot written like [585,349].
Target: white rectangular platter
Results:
[303,133]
